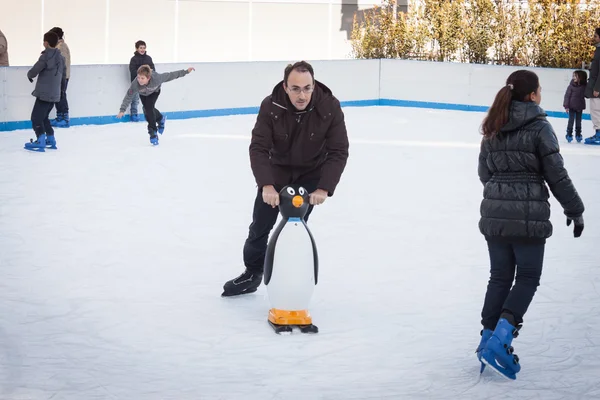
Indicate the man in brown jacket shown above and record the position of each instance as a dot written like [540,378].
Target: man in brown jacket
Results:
[299,137]
[3,50]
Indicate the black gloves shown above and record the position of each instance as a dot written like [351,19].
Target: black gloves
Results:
[30,80]
[578,225]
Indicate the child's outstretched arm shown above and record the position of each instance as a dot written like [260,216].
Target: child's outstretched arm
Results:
[133,89]
[169,76]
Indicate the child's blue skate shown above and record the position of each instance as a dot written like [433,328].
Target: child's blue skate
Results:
[579,138]
[39,145]
[498,352]
[161,124]
[486,334]
[569,138]
[154,140]
[50,142]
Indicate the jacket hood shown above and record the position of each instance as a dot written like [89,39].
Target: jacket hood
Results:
[280,98]
[50,53]
[521,113]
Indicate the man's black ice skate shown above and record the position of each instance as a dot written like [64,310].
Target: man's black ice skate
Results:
[246,283]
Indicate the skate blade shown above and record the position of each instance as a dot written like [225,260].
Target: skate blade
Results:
[496,370]
[36,149]
[288,329]
[229,294]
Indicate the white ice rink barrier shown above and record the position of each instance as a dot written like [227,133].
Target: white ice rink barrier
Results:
[95,92]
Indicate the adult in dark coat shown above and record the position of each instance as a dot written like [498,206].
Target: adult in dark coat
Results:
[592,90]
[299,137]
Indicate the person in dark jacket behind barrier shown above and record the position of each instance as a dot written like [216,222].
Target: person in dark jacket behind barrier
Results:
[299,137]
[574,103]
[50,70]
[140,57]
[519,156]
[148,85]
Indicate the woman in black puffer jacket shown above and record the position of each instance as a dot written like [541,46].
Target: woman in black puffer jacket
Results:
[519,156]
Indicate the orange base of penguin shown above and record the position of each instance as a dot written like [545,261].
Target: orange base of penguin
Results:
[283,317]
[283,321]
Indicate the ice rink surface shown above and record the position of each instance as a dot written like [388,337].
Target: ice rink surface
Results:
[113,254]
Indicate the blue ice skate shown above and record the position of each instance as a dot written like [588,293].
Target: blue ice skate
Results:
[486,334]
[498,352]
[62,120]
[579,138]
[50,142]
[569,138]
[161,124]
[154,140]
[593,139]
[39,145]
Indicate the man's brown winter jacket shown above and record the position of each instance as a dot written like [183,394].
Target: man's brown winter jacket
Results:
[291,146]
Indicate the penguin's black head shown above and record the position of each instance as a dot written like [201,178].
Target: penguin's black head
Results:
[293,201]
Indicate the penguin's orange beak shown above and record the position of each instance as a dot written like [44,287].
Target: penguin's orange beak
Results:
[297,201]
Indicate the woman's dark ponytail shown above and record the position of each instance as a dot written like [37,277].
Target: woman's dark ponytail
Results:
[498,113]
[519,85]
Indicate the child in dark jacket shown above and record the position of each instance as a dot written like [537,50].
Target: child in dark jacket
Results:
[574,103]
[140,57]
[50,70]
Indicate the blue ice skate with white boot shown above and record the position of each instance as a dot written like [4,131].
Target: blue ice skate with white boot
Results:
[39,145]
[498,352]
[593,139]
[161,124]
[486,334]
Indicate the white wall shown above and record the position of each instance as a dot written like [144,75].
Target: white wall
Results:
[97,91]
[464,84]
[104,31]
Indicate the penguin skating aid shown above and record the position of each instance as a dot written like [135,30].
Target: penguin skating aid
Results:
[291,265]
